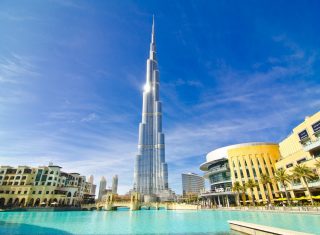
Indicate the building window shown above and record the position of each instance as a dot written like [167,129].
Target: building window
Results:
[316,127]
[254,172]
[40,192]
[289,165]
[49,183]
[24,177]
[303,135]
[301,160]
[19,192]
[33,192]
[25,192]
[47,192]
[16,183]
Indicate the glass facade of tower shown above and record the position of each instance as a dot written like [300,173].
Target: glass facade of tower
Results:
[151,171]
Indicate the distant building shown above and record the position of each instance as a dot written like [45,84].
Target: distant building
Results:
[115,184]
[93,186]
[302,146]
[192,183]
[102,187]
[42,186]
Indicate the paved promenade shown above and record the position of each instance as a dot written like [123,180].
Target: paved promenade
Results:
[301,210]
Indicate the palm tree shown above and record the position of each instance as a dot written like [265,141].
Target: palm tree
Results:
[317,165]
[283,178]
[250,184]
[243,190]
[304,173]
[237,187]
[265,180]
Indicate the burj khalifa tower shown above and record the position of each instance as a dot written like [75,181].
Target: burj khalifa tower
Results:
[151,170]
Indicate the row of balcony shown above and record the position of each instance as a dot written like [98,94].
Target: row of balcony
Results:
[311,145]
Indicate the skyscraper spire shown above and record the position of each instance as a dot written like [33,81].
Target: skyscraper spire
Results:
[151,171]
[153,36]
[153,43]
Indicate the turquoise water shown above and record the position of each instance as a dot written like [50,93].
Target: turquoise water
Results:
[147,222]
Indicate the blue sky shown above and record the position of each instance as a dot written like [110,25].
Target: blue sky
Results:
[72,72]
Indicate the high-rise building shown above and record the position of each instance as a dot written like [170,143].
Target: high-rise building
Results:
[102,187]
[151,170]
[93,186]
[115,184]
[90,180]
[192,183]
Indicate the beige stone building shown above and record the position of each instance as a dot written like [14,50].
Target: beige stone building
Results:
[41,186]
[302,146]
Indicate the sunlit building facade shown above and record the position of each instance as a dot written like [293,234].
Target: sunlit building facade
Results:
[115,184]
[240,162]
[250,161]
[192,183]
[151,170]
[302,146]
[102,187]
[41,186]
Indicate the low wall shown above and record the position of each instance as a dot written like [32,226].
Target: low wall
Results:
[177,206]
[256,229]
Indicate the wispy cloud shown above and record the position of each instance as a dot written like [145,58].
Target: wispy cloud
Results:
[15,68]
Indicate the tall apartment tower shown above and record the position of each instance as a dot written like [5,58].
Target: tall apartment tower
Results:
[91,179]
[93,186]
[102,187]
[192,183]
[115,184]
[151,170]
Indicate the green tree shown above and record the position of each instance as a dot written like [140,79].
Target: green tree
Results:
[317,165]
[304,173]
[265,180]
[283,178]
[237,187]
[250,184]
